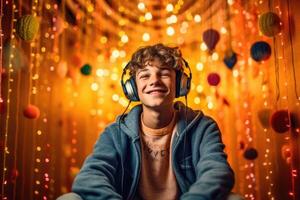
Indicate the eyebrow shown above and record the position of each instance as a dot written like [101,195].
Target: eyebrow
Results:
[142,70]
[145,69]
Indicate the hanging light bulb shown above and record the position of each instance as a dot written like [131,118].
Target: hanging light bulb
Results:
[169,7]
[146,37]
[124,38]
[197,18]
[148,16]
[141,6]
[170,31]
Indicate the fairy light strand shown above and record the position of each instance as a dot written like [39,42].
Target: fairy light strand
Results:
[4,181]
[292,49]
[1,49]
[33,88]
[286,98]
[250,165]
[16,139]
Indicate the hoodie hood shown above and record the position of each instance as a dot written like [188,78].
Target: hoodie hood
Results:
[130,122]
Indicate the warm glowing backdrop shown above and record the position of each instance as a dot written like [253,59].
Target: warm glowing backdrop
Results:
[61,63]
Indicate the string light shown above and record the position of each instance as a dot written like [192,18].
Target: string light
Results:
[286,100]
[197,18]
[6,149]
[148,16]
[141,6]
[169,7]
[170,31]
[146,37]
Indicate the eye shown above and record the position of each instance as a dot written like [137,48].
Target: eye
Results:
[165,74]
[144,76]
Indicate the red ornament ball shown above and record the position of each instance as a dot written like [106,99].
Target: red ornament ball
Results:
[31,112]
[14,174]
[76,60]
[280,121]
[211,37]
[213,79]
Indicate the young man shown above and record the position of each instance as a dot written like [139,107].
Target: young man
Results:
[160,149]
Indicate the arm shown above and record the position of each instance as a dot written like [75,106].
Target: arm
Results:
[215,177]
[97,177]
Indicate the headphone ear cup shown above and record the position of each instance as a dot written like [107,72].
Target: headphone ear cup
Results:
[134,87]
[130,89]
[182,84]
[178,85]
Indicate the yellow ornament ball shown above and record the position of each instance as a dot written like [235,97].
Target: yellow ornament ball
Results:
[269,24]
[27,27]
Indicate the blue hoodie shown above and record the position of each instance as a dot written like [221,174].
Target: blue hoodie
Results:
[200,165]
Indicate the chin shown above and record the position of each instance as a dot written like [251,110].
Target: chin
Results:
[157,104]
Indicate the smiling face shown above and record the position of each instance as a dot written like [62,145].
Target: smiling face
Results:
[156,85]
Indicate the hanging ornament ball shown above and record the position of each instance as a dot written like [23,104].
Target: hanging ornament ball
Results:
[27,27]
[264,117]
[86,69]
[31,112]
[76,60]
[230,59]
[280,121]
[250,153]
[211,38]
[213,79]
[260,51]
[269,24]
[14,174]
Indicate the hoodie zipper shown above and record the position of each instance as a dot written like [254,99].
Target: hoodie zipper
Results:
[178,177]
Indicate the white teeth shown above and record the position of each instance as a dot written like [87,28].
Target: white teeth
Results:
[156,91]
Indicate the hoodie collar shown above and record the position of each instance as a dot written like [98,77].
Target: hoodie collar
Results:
[131,121]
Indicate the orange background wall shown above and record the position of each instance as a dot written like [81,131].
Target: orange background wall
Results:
[40,157]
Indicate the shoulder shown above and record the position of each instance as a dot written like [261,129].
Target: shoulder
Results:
[206,119]
[110,132]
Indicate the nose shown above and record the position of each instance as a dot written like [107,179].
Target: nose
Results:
[154,79]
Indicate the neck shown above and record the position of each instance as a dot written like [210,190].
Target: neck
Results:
[156,119]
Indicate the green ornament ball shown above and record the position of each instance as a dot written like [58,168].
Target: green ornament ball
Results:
[86,69]
[269,24]
[27,27]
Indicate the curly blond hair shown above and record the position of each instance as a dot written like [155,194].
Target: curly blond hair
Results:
[168,56]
